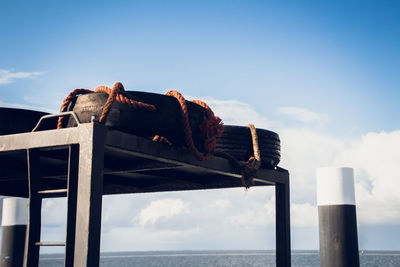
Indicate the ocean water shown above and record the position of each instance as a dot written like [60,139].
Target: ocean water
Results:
[219,258]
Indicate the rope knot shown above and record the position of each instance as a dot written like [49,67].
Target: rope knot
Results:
[211,128]
[249,168]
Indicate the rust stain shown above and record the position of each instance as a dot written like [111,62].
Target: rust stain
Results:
[336,243]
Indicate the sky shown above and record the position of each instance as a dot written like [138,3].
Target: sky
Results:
[322,74]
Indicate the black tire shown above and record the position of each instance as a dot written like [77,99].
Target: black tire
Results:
[264,148]
[237,141]
[14,120]
[166,121]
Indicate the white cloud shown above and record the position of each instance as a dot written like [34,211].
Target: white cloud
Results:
[30,107]
[7,76]
[238,113]
[116,214]
[222,203]
[163,208]
[303,215]
[54,211]
[301,114]
[255,216]
[142,239]
[302,151]
[375,158]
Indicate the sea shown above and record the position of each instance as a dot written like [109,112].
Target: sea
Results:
[207,258]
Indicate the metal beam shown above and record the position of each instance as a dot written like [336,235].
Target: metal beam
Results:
[31,257]
[72,190]
[282,224]
[141,147]
[50,138]
[89,200]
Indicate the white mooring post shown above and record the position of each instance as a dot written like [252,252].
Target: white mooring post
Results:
[338,239]
[14,220]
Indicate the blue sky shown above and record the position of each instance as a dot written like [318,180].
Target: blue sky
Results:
[323,71]
[337,58]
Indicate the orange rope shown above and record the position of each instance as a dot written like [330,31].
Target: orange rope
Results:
[250,167]
[116,93]
[211,128]
[71,96]
[254,161]
[161,139]
[120,97]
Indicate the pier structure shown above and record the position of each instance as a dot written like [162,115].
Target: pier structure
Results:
[84,163]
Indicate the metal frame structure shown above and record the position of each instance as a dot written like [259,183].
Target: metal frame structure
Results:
[90,160]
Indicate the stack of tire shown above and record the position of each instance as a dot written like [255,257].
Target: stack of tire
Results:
[166,121]
[237,142]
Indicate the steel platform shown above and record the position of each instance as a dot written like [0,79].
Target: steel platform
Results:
[101,161]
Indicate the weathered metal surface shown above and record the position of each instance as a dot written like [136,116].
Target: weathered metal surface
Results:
[127,158]
[50,244]
[72,191]
[31,257]
[50,138]
[282,222]
[137,146]
[12,245]
[338,236]
[89,198]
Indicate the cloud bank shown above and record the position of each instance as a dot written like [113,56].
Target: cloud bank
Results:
[374,156]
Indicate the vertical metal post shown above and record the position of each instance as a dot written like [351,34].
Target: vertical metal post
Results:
[90,191]
[282,207]
[338,239]
[31,257]
[14,220]
[72,186]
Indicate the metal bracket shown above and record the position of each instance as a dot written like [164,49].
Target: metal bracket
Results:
[57,115]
